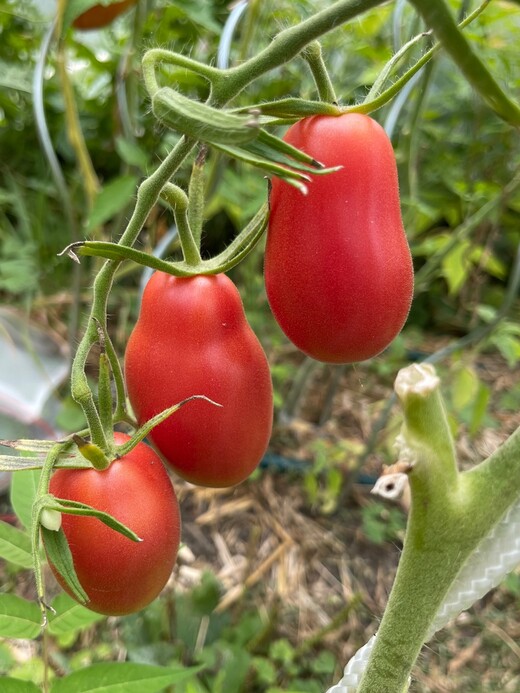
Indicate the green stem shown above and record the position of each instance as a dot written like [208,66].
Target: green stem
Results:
[314,57]
[450,515]
[438,16]
[105,403]
[285,46]
[147,196]
[196,196]
[178,200]
[42,490]
[159,55]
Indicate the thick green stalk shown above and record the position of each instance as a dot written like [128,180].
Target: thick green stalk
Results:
[450,515]
[438,17]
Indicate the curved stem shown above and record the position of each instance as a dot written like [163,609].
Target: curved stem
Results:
[147,196]
[178,200]
[314,57]
[160,55]
[285,46]
[42,490]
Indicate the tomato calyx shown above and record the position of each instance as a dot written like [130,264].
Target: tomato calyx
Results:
[92,452]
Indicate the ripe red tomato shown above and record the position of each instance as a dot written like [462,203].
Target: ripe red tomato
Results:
[121,576]
[99,16]
[338,270]
[192,338]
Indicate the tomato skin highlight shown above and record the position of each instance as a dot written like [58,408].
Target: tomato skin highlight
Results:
[121,576]
[192,338]
[338,270]
[99,16]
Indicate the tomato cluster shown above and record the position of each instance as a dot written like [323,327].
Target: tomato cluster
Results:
[339,280]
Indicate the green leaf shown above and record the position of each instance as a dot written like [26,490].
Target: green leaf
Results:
[70,616]
[15,545]
[439,17]
[456,266]
[113,198]
[465,387]
[233,674]
[23,492]
[132,154]
[10,685]
[19,271]
[59,554]
[479,409]
[19,618]
[15,77]
[124,677]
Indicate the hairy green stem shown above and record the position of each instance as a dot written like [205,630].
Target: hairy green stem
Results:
[314,57]
[42,490]
[450,515]
[147,195]
[196,196]
[161,55]
[285,46]
[178,201]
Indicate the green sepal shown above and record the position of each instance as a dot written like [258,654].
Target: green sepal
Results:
[70,507]
[14,463]
[278,158]
[58,552]
[294,109]
[201,122]
[144,430]
[38,451]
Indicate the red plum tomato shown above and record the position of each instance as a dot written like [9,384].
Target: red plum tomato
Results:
[338,270]
[192,338]
[121,576]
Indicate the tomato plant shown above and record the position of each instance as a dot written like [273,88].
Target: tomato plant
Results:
[99,16]
[338,270]
[121,576]
[192,337]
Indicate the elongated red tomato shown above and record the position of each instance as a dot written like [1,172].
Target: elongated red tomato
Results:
[121,576]
[192,338]
[338,270]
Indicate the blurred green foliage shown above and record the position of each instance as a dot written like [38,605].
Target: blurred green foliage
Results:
[455,156]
